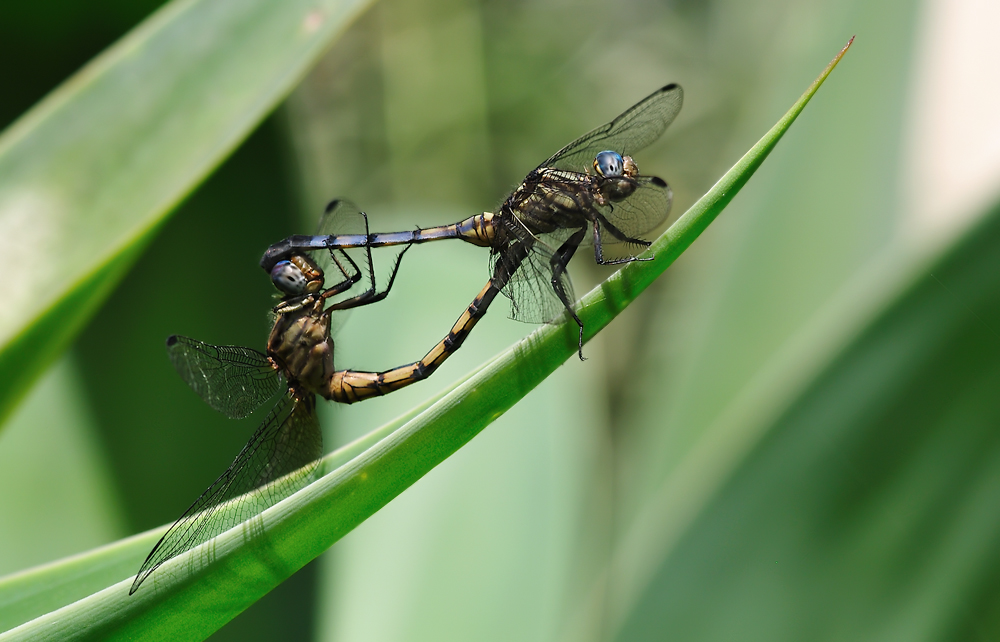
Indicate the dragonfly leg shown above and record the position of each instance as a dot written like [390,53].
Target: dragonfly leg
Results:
[558,263]
[354,277]
[618,234]
[371,295]
[350,277]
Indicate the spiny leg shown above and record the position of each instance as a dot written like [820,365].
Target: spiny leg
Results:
[618,234]
[371,295]
[356,276]
[558,263]
[350,279]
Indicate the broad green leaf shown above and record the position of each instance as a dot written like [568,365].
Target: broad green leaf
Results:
[196,593]
[89,173]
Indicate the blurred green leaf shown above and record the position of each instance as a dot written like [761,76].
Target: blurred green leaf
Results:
[196,593]
[876,485]
[89,173]
[50,449]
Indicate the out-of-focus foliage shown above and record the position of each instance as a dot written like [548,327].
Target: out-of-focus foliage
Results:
[791,436]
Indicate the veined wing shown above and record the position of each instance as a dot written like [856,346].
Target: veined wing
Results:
[644,210]
[231,379]
[341,217]
[528,260]
[634,129]
[279,459]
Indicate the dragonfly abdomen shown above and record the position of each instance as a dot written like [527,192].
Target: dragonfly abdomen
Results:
[350,386]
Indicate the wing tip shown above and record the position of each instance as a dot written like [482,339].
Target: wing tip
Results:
[144,573]
[172,339]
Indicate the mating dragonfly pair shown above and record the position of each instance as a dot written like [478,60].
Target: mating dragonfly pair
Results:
[591,187]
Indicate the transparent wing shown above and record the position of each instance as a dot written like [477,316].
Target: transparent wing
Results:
[529,288]
[647,207]
[279,459]
[341,217]
[231,379]
[635,128]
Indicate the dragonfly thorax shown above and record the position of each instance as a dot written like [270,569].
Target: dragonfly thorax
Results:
[301,346]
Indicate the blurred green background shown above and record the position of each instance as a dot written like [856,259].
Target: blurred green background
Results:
[793,435]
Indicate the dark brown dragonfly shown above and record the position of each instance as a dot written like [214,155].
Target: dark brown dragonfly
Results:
[589,191]
[282,455]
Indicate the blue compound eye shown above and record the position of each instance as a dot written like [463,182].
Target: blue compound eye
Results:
[609,164]
[287,277]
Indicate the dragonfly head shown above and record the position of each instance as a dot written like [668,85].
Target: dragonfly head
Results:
[618,173]
[609,164]
[296,276]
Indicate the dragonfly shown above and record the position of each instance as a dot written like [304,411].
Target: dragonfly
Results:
[283,454]
[590,191]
